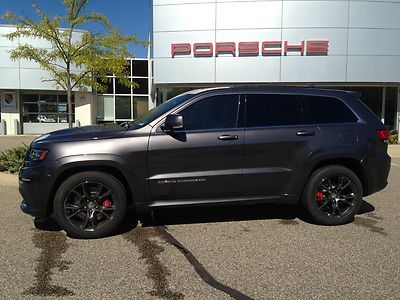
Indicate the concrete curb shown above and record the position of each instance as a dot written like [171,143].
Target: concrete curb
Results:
[8,179]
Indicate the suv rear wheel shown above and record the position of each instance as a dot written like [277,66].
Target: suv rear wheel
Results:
[333,195]
[90,205]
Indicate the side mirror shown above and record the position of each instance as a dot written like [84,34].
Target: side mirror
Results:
[172,122]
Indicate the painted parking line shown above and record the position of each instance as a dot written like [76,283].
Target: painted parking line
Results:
[395,164]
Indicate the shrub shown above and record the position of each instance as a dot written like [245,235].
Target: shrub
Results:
[394,137]
[11,159]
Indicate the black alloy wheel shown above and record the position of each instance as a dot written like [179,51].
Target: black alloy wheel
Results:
[90,205]
[336,196]
[333,195]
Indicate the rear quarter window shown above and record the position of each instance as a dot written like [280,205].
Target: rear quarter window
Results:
[327,110]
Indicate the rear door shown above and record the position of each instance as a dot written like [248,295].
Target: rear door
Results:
[205,160]
[279,141]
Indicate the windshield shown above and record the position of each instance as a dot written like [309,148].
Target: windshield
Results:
[159,110]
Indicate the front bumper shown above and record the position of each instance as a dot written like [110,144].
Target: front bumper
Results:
[35,186]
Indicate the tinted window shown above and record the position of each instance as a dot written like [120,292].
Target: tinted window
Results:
[143,86]
[274,110]
[121,89]
[212,113]
[159,110]
[329,110]
[140,68]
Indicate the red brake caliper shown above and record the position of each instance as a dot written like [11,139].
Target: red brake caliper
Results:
[320,196]
[107,203]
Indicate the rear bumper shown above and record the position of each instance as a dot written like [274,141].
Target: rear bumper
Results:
[376,170]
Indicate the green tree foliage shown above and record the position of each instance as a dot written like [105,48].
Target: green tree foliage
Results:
[74,63]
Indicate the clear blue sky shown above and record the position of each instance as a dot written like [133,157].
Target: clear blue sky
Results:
[131,17]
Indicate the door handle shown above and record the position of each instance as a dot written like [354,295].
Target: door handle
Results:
[305,133]
[227,137]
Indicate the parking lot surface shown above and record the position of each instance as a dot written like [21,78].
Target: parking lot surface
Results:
[250,252]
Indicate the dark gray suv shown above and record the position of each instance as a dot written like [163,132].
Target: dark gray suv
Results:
[322,148]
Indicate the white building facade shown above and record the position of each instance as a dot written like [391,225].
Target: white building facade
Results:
[342,44]
[31,104]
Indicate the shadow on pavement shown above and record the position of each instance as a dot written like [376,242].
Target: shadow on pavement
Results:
[214,214]
[208,214]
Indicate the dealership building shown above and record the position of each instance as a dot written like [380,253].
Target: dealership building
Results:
[31,104]
[351,45]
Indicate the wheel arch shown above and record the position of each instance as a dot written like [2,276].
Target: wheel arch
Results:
[78,168]
[348,162]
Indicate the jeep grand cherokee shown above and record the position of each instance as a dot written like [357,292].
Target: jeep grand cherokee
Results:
[322,148]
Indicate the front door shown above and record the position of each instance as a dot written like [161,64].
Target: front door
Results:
[202,161]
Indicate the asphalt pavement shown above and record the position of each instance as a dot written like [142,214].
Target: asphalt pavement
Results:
[248,252]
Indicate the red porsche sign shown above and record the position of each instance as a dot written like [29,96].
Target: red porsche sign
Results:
[267,48]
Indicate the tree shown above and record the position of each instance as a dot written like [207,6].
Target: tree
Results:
[77,60]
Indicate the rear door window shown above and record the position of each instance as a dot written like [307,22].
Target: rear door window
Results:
[326,110]
[275,110]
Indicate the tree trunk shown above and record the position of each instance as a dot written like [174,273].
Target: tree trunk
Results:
[69,101]
[69,95]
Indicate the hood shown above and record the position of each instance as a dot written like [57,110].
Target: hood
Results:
[91,132]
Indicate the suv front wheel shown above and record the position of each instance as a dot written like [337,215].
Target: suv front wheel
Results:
[333,195]
[90,205]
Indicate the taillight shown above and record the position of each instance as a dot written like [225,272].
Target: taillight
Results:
[383,134]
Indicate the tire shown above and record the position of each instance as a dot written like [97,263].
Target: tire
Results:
[332,195]
[90,205]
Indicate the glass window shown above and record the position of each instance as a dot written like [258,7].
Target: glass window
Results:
[62,107]
[274,110]
[122,89]
[325,110]
[123,107]
[30,108]
[128,68]
[390,107]
[30,118]
[64,98]
[160,110]
[371,96]
[48,118]
[48,98]
[141,106]
[30,98]
[63,118]
[143,87]
[44,108]
[105,107]
[140,68]
[215,112]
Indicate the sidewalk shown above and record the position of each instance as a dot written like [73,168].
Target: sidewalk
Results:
[394,150]
[8,180]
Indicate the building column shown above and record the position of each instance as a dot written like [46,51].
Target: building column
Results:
[10,114]
[383,104]
[397,121]
[152,101]
[84,106]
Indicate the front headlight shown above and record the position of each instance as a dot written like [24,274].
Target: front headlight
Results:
[38,154]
